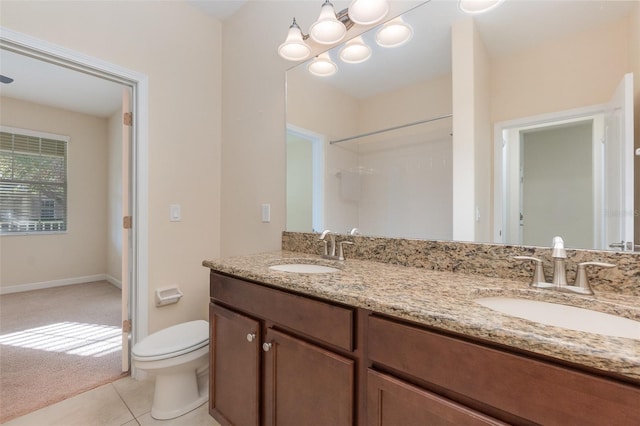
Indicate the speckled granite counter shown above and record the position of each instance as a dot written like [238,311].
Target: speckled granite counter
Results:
[446,300]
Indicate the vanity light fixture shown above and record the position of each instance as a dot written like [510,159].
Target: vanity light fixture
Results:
[478,6]
[294,48]
[322,65]
[368,12]
[327,29]
[355,51]
[394,33]
[330,28]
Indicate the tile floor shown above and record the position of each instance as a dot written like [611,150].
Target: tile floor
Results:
[125,402]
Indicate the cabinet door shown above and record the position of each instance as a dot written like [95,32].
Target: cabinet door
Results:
[234,386]
[305,384]
[392,402]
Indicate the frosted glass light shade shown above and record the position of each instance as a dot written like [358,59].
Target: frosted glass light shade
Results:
[368,12]
[294,48]
[477,6]
[394,33]
[327,29]
[355,51]
[322,66]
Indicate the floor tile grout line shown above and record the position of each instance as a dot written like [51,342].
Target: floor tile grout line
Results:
[126,405]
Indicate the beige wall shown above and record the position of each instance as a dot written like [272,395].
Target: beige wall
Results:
[411,103]
[81,251]
[575,71]
[472,148]
[318,106]
[254,120]
[179,49]
[482,132]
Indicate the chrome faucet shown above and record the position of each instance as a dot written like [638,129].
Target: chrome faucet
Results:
[331,253]
[559,281]
[333,242]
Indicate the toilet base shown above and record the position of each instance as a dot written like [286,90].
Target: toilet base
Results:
[169,404]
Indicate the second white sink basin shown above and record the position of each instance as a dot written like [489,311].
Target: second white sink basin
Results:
[304,268]
[564,316]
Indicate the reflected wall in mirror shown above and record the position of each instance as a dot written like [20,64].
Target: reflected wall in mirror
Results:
[567,173]
[393,183]
[574,61]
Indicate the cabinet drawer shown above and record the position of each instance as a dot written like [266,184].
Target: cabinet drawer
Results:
[393,402]
[319,320]
[533,390]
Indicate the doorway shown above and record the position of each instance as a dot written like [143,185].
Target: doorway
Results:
[305,180]
[136,260]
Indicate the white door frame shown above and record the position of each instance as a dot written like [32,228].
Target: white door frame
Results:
[41,49]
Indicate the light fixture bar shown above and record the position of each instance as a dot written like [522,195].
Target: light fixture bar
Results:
[388,129]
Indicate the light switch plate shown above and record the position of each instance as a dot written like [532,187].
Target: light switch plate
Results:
[175,213]
[266,213]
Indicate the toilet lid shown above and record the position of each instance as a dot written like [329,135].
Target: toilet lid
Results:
[173,341]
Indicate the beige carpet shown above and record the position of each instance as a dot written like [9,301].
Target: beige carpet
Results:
[56,343]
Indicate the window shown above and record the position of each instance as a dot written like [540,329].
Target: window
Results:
[33,182]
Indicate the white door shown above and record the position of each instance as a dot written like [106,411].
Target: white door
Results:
[127,127]
[618,167]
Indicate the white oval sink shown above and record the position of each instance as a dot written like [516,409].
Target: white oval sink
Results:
[304,268]
[564,316]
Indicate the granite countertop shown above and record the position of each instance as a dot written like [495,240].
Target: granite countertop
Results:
[446,300]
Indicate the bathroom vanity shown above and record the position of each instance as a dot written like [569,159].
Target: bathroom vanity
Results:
[382,344]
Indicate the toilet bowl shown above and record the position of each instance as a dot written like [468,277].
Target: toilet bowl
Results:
[179,358]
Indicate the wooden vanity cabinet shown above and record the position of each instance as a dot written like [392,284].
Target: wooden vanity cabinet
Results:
[278,358]
[508,386]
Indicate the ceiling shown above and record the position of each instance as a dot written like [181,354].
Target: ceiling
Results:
[219,9]
[516,23]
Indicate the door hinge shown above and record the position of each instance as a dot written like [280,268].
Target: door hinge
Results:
[127,222]
[128,118]
[126,326]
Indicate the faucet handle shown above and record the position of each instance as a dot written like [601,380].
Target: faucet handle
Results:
[341,252]
[538,272]
[582,283]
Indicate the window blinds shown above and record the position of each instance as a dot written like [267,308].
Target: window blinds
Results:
[33,183]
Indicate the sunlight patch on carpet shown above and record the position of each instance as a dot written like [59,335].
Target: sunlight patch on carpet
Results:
[72,338]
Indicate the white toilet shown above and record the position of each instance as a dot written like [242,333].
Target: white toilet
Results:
[179,358]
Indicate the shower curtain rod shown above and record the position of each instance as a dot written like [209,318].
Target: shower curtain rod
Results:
[388,129]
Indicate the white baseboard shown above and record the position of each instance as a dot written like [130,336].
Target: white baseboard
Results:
[114,281]
[57,283]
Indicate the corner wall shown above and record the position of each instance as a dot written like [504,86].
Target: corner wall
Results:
[179,49]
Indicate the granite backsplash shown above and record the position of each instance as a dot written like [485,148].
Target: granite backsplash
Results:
[489,260]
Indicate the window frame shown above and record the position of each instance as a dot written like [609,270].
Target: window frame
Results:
[45,229]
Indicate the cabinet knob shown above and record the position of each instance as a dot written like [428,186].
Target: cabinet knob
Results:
[251,337]
[266,346]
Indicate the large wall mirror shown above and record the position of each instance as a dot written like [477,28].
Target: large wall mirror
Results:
[370,147]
